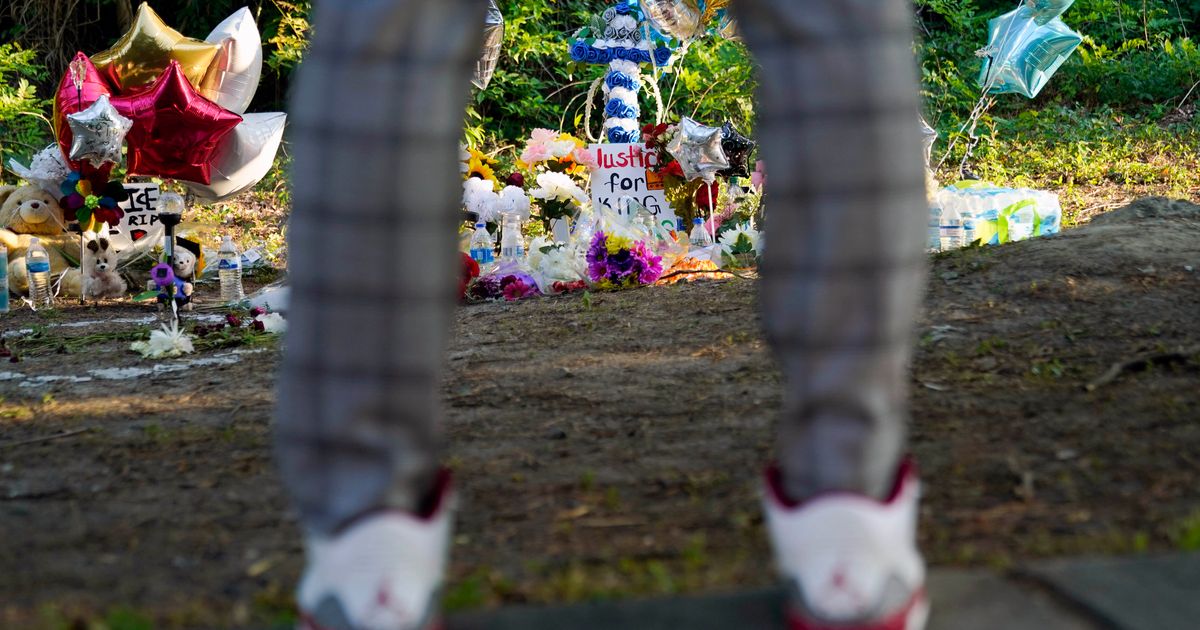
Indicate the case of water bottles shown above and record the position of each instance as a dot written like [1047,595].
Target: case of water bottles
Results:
[970,212]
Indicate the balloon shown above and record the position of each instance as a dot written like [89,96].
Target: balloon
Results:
[1046,10]
[98,132]
[698,150]
[243,157]
[175,130]
[1022,56]
[677,18]
[142,53]
[47,170]
[232,78]
[80,86]
[737,150]
[493,37]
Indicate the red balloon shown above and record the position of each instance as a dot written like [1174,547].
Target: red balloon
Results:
[175,130]
[68,99]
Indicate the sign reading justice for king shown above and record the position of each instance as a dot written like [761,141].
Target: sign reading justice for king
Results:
[626,170]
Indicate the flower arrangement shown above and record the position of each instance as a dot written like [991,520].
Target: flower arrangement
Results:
[509,286]
[560,196]
[618,262]
[741,245]
[556,152]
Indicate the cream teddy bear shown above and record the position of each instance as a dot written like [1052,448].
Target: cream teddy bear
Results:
[27,212]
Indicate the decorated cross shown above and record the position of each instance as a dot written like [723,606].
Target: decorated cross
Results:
[621,40]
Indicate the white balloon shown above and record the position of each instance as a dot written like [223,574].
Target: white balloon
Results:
[233,75]
[243,157]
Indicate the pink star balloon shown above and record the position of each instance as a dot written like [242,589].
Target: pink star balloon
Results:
[175,130]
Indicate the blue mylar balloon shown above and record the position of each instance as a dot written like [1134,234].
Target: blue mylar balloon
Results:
[1023,55]
[1046,10]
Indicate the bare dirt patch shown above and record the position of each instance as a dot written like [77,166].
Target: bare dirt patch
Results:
[609,445]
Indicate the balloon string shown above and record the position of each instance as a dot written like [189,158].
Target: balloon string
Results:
[984,103]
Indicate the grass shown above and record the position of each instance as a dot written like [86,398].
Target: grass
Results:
[1095,159]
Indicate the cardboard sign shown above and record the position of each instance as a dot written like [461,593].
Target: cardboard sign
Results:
[139,228]
[626,170]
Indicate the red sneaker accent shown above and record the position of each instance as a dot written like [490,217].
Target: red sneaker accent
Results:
[900,620]
[906,473]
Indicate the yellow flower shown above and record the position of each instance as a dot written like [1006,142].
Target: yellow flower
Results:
[578,143]
[615,243]
[476,167]
[480,157]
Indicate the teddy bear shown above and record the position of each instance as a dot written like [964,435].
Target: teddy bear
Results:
[28,212]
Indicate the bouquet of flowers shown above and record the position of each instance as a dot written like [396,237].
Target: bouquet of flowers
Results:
[741,245]
[556,152]
[510,283]
[618,262]
[560,196]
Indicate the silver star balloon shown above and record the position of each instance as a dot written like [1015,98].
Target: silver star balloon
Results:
[698,150]
[98,132]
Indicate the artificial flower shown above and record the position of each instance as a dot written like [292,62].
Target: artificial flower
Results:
[270,323]
[164,343]
[89,196]
[674,168]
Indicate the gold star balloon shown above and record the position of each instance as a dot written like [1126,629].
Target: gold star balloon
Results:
[143,52]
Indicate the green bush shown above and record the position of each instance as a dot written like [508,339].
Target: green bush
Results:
[24,127]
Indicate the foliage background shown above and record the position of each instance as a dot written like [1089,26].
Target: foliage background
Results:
[1119,112]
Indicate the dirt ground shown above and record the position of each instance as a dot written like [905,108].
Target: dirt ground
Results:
[608,445]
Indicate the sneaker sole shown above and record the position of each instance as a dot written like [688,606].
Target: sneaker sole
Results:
[912,617]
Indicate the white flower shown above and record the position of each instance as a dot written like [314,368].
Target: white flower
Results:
[558,187]
[272,323]
[561,264]
[729,239]
[164,343]
[561,148]
[479,197]
[513,200]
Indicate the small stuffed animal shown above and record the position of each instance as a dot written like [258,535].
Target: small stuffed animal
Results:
[163,277]
[101,279]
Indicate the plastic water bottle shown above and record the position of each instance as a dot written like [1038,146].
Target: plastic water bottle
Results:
[229,268]
[512,247]
[482,245]
[968,227]
[934,234]
[3,279]
[952,227]
[700,236]
[37,265]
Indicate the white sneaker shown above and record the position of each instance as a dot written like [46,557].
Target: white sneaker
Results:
[851,561]
[384,572]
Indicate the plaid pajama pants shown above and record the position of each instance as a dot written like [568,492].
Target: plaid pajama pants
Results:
[377,114]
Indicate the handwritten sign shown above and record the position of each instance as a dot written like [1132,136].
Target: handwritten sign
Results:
[139,227]
[626,170]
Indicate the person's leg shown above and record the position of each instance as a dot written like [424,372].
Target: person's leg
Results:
[842,281]
[377,114]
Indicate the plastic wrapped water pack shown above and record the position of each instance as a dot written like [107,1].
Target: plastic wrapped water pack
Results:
[974,211]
